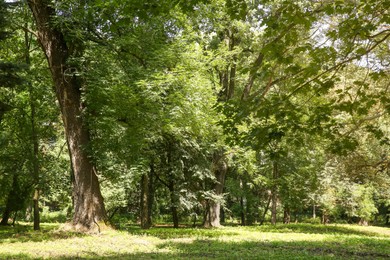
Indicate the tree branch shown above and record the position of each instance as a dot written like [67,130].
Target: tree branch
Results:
[340,64]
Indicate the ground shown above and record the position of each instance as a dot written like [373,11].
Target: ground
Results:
[293,241]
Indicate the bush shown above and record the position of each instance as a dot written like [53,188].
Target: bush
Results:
[53,216]
[312,220]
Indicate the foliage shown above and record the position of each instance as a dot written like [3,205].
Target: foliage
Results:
[294,94]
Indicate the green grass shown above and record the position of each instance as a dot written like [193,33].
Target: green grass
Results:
[294,241]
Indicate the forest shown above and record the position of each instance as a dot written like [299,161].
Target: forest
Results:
[198,113]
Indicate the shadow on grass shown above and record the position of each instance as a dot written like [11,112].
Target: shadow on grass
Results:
[212,249]
[25,233]
[316,229]
[165,232]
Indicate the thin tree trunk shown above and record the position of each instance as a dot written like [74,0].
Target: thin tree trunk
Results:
[266,209]
[144,201]
[175,215]
[36,210]
[314,210]
[274,193]
[287,215]
[34,138]
[242,206]
[147,198]
[88,202]
[243,222]
[273,208]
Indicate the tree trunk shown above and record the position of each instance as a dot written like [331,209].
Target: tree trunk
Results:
[274,193]
[173,197]
[363,222]
[266,209]
[147,198]
[243,222]
[273,208]
[314,210]
[222,216]
[242,206]
[28,215]
[35,142]
[14,198]
[212,217]
[325,217]
[287,216]
[36,210]
[5,217]
[88,202]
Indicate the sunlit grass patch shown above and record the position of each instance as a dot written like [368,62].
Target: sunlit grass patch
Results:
[295,241]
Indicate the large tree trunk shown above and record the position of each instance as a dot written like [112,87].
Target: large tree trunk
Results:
[212,217]
[88,202]
[147,198]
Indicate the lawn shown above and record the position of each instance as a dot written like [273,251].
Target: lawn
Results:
[294,241]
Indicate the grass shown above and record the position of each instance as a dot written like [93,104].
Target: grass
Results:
[294,241]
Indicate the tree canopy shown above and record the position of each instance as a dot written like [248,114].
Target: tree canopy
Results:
[203,111]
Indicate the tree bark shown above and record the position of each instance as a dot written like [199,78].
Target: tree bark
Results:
[243,222]
[212,217]
[147,198]
[36,210]
[88,202]
[173,197]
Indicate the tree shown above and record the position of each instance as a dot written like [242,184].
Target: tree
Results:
[88,202]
